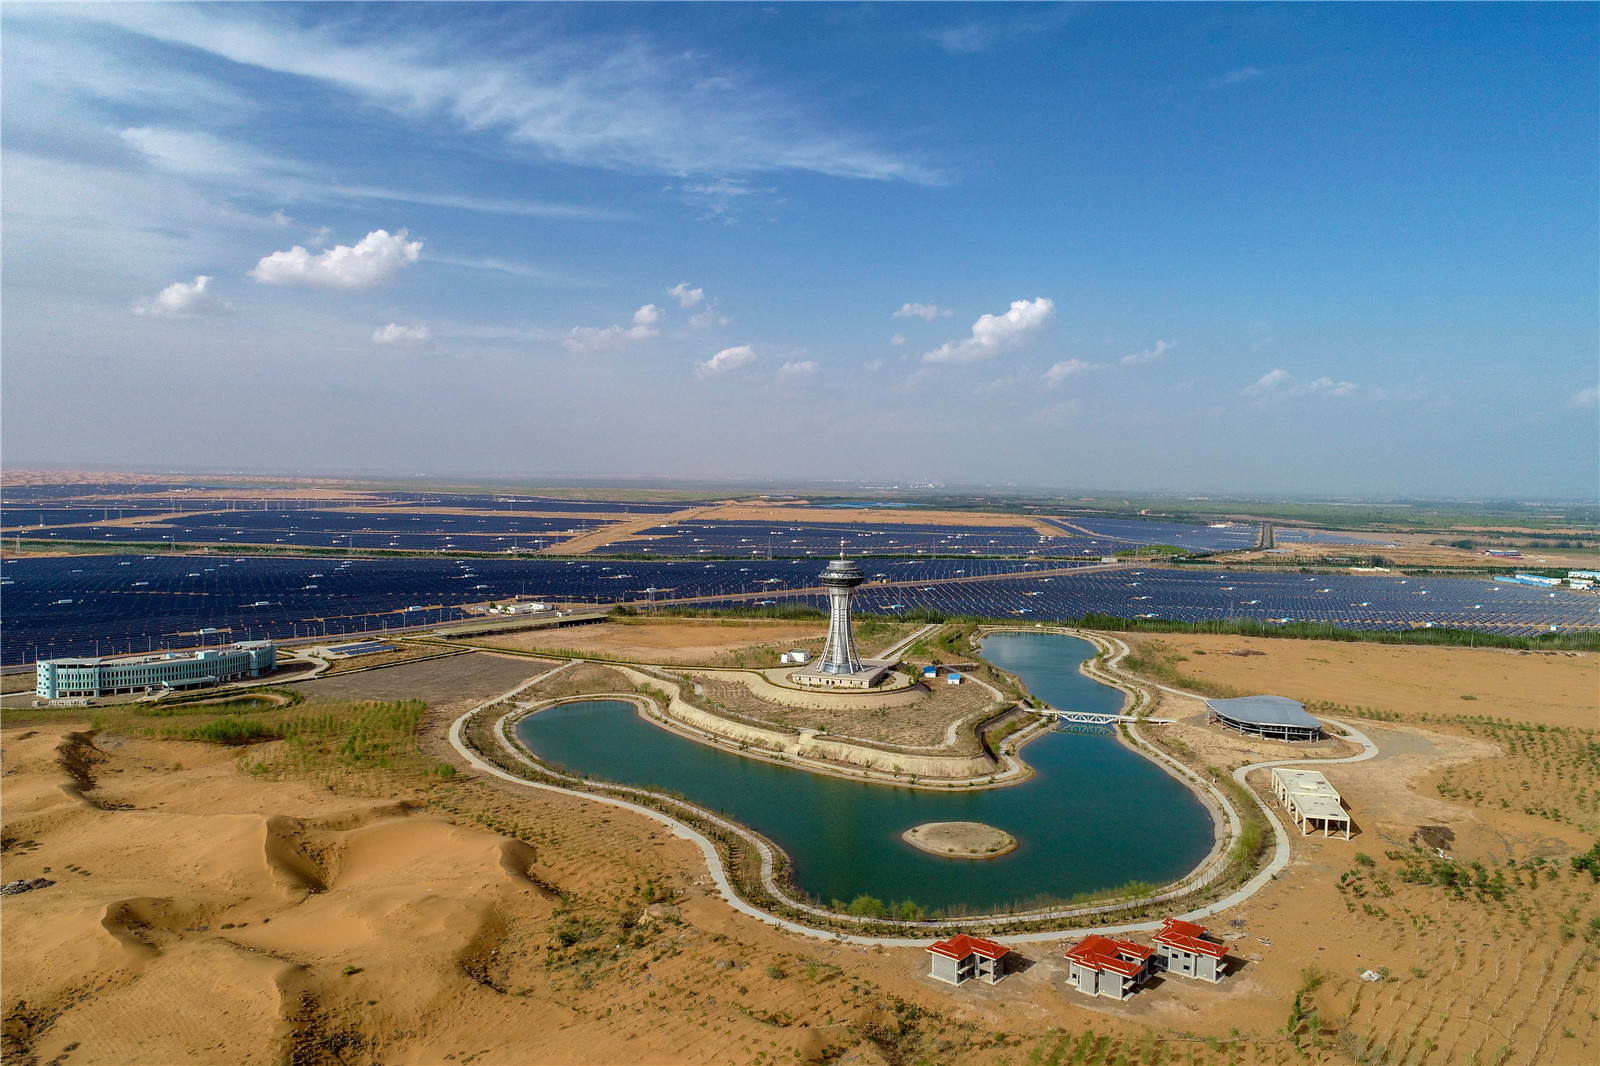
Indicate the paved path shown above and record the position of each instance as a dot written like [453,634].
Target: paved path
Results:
[1280,858]
[893,651]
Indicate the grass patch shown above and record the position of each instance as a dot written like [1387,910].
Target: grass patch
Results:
[334,742]
[1158,661]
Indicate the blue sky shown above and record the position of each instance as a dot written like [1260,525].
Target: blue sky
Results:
[1341,249]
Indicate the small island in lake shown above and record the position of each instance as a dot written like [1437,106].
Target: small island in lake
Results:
[960,840]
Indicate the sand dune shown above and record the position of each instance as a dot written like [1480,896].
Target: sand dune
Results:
[182,928]
[201,913]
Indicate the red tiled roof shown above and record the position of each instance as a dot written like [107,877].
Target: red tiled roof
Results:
[961,945]
[1103,953]
[1189,937]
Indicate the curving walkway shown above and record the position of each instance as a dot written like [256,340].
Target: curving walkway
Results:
[1116,650]
[1281,848]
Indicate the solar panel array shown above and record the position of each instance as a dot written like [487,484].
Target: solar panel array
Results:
[1124,534]
[1348,601]
[430,531]
[758,539]
[73,605]
[1290,535]
[86,605]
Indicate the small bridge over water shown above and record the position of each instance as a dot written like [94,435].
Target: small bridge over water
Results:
[1074,720]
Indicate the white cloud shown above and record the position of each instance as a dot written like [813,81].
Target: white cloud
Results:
[590,339]
[184,299]
[1328,387]
[1149,355]
[874,365]
[790,371]
[319,239]
[1268,383]
[1585,398]
[686,296]
[418,336]
[995,333]
[1065,369]
[725,360]
[279,219]
[1243,74]
[373,260]
[1280,384]
[897,340]
[708,315]
[926,312]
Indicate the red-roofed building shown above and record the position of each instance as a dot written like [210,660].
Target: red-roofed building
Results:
[1102,966]
[964,957]
[1183,949]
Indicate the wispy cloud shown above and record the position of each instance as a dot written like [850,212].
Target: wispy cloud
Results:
[1589,397]
[995,333]
[205,157]
[1067,368]
[967,39]
[926,312]
[795,370]
[983,35]
[1281,385]
[619,105]
[502,266]
[418,336]
[1243,74]
[1149,355]
[484,205]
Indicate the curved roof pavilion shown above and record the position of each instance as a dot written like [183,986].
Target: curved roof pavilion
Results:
[1273,717]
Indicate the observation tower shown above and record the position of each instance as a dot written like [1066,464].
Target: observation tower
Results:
[839,666]
[839,655]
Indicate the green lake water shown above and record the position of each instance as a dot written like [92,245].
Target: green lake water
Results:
[1094,816]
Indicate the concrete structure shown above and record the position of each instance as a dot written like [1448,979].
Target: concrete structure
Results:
[1103,966]
[839,666]
[1310,801]
[68,678]
[796,656]
[963,958]
[1271,717]
[1182,948]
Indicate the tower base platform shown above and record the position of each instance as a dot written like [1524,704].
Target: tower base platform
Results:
[872,672]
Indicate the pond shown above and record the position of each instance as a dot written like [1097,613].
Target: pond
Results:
[1095,815]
